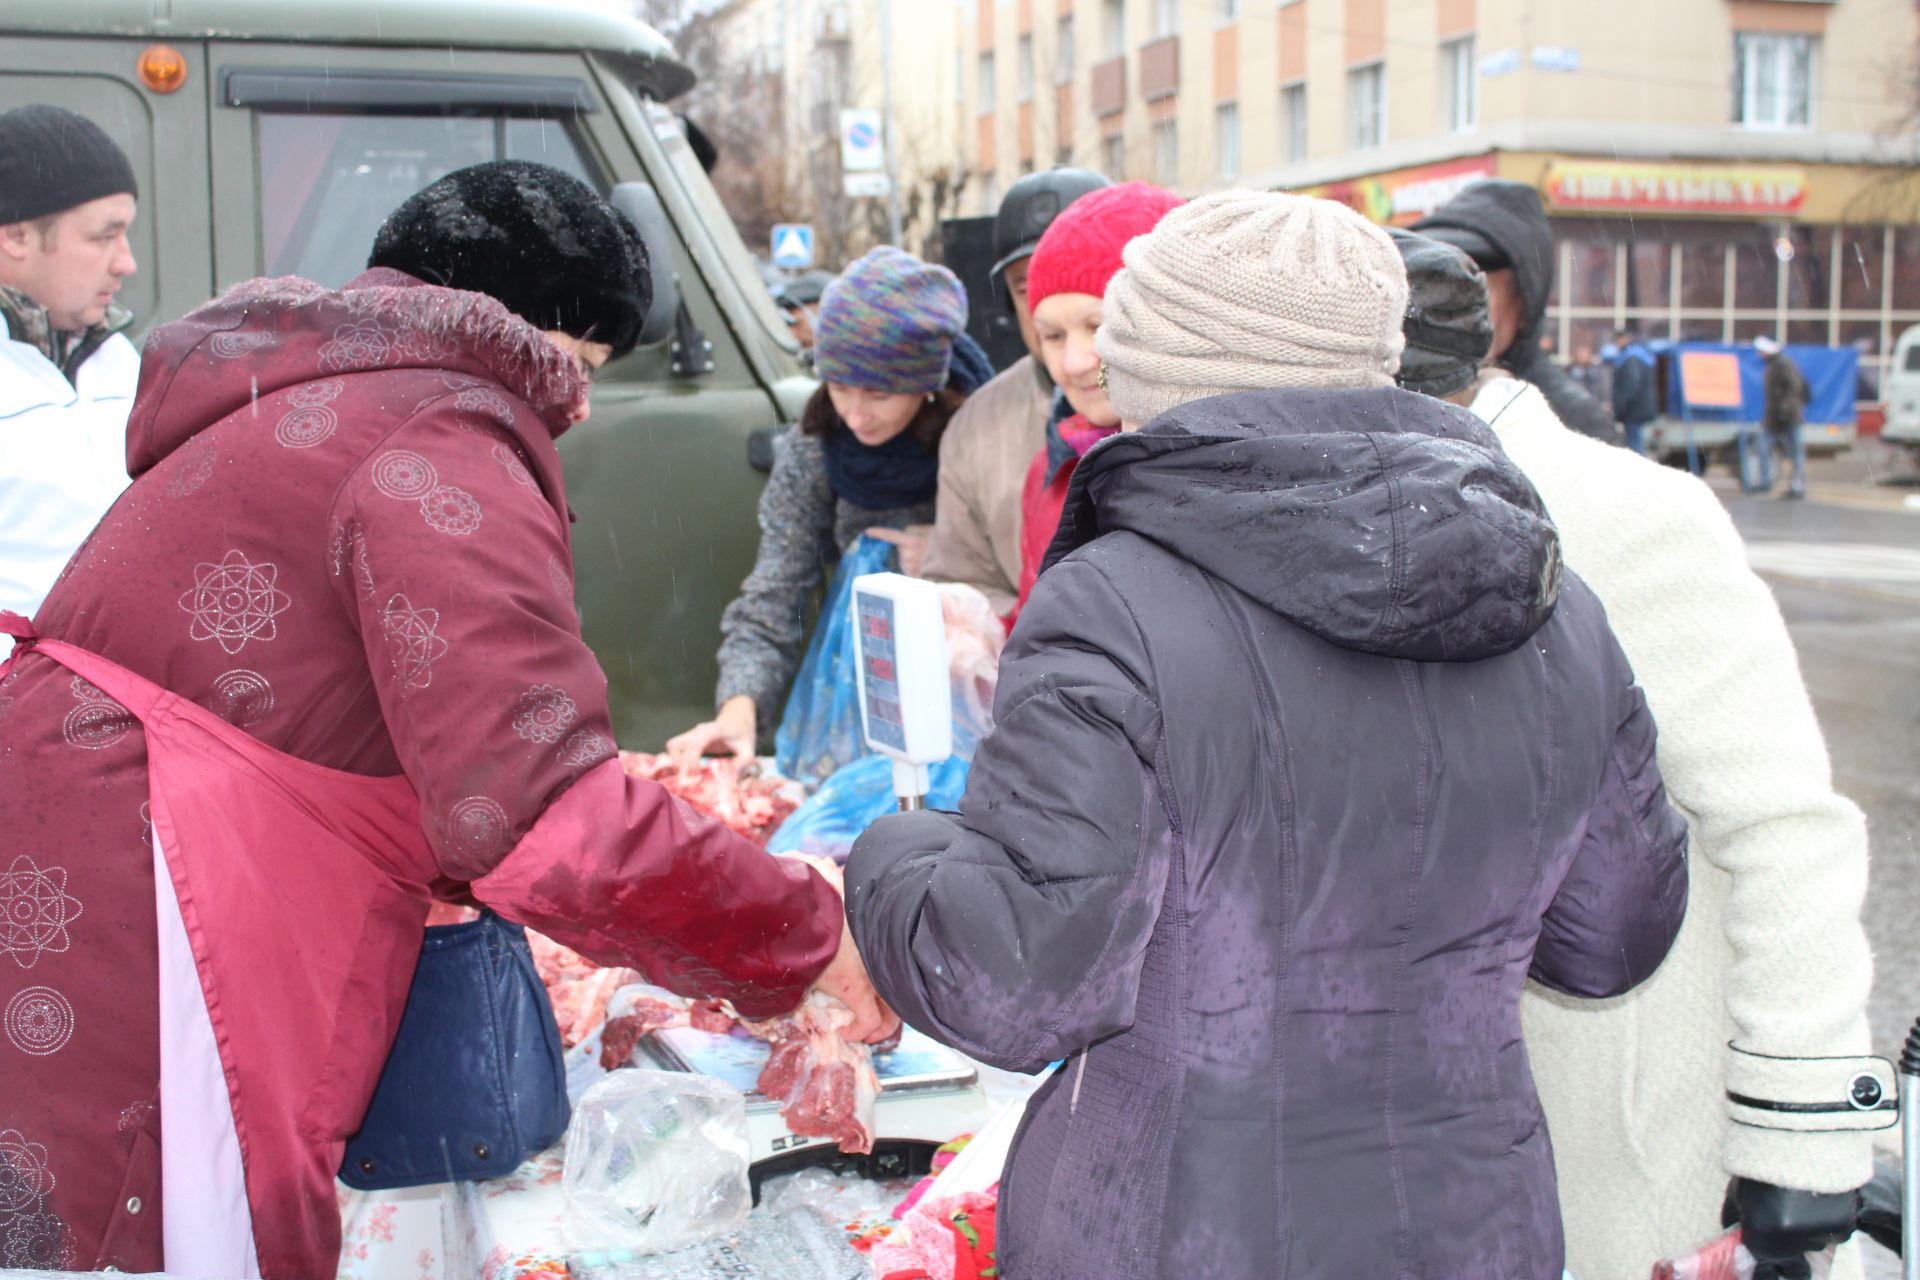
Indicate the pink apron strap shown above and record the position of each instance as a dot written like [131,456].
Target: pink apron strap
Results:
[303,894]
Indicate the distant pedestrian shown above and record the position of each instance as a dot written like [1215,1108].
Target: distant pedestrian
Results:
[990,443]
[1783,418]
[1744,1052]
[1503,227]
[67,372]
[1636,391]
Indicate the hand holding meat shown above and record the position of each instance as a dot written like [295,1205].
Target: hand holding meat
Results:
[734,731]
[846,979]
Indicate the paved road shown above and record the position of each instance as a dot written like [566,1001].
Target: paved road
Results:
[1845,567]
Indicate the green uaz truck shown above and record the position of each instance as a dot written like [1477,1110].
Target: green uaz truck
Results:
[272,137]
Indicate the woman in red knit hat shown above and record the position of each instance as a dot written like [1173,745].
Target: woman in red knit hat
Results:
[1066,281]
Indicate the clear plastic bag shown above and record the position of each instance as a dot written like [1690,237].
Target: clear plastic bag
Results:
[656,1160]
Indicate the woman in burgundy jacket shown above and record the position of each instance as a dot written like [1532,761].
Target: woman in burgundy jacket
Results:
[322,655]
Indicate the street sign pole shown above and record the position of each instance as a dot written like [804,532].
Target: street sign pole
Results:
[892,135]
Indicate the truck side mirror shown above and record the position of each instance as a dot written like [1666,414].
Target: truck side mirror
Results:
[641,204]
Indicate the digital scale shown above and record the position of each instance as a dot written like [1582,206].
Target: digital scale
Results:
[929,1095]
[906,695]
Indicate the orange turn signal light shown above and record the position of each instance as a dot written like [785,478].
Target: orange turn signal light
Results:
[162,69]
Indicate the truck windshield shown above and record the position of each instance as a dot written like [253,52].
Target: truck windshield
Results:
[716,220]
[328,181]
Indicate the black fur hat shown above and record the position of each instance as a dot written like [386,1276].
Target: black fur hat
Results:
[540,241]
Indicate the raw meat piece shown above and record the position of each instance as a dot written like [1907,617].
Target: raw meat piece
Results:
[627,1030]
[754,805]
[826,1087]
[578,988]
[711,1015]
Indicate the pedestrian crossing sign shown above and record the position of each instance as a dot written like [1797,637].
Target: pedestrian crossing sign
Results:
[792,245]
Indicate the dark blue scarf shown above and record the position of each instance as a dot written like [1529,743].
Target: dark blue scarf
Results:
[902,472]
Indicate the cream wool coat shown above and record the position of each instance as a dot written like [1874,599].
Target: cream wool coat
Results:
[1772,958]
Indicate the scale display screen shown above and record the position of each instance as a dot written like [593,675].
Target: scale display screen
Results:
[880,664]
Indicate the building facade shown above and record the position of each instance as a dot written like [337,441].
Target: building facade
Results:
[1714,169]
[775,77]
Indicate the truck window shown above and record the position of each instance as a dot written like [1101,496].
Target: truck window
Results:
[1912,362]
[327,182]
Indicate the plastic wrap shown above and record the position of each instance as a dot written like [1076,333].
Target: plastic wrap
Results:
[656,1160]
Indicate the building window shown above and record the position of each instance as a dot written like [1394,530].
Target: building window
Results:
[1113,157]
[1024,71]
[1226,140]
[1227,12]
[1166,18]
[1063,155]
[1293,123]
[990,192]
[1166,153]
[1460,82]
[1773,79]
[1063,51]
[1367,105]
[959,75]
[1113,28]
[986,83]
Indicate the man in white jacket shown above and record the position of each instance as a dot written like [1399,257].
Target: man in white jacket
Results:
[1745,1055]
[67,371]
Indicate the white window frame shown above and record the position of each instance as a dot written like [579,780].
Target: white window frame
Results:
[1166,18]
[1758,55]
[1293,121]
[1377,72]
[1063,51]
[986,73]
[1024,69]
[1460,78]
[1226,12]
[1226,141]
[1113,29]
[1111,149]
[1166,152]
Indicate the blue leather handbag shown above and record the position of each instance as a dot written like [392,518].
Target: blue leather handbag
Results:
[474,1083]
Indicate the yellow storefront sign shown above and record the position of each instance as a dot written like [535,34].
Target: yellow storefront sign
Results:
[1602,186]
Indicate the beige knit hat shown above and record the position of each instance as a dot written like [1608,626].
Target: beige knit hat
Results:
[1245,290]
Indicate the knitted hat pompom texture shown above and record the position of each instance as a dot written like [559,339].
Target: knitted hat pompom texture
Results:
[1247,291]
[1081,250]
[536,239]
[888,324]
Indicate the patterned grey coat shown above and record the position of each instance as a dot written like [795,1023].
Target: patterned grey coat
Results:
[804,526]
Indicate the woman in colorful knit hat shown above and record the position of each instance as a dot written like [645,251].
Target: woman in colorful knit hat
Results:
[1076,257]
[895,362]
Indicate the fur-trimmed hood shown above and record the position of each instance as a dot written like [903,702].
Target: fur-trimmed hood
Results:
[267,335]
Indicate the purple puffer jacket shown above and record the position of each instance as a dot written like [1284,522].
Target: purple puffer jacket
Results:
[1299,773]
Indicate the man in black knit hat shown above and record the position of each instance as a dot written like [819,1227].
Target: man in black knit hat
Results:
[67,372]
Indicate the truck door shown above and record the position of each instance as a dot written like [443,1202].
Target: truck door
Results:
[165,137]
[315,146]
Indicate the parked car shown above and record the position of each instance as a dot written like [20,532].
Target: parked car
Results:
[274,138]
[1902,393]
